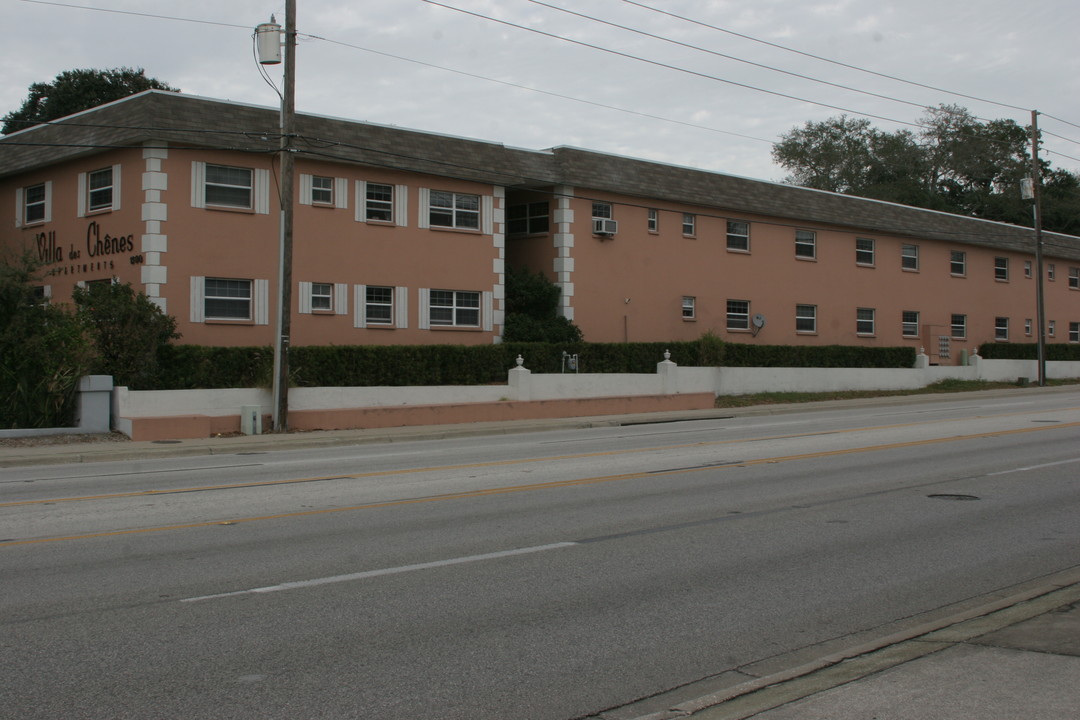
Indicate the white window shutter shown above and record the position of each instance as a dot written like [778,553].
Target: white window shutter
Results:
[48,201]
[305,189]
[115,187]
[81,203]
[305,298]
[360,303]
[198,304]
[487,213]
[341,193]
[425,309]
[401,205]
[262,191]
[261,299]
[198,184]
[401,307]
[341,298]
[361,195]
[18,207]
[487,307]
[424,219]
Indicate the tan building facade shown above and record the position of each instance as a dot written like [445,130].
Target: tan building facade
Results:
[404,237]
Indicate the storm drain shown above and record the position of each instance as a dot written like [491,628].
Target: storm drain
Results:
[952,496]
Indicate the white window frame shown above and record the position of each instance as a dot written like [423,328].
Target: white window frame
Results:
[453,210]
[258,301]
[602,211]
[1051,328]
[654,220]
[738,236]
[1074,278]
[322,190]
[689,307]
[1051,272]
[806,244]
[323,298]
[864,252]
[738,315]
[378,209]
[689,224]
[958,263]
[806,315]
[456,308]
[958,326]
[259,190]
[1001,329]
[909,323]
[865,322]
[909,257]
[90,197]
[229,187]
[1001,269]
[22,204]
[1074,332]
[399,302]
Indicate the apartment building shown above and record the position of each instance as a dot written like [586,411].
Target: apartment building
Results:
[403,237]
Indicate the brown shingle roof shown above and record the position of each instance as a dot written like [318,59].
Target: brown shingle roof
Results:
[184,120]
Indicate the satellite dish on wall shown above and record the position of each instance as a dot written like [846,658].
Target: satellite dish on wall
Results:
[758,320]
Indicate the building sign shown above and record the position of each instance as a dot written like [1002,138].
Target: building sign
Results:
[101,251]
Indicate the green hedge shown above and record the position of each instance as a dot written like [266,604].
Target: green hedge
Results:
[1029,351]
[194,366]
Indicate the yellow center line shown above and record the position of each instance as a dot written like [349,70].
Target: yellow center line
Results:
[543,485]
[486,464]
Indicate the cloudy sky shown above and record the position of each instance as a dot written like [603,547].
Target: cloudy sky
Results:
[704,83]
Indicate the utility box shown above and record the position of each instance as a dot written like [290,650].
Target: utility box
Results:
[251,420]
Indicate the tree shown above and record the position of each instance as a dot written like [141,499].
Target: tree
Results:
[73,91]
[43,352]
[127,331]
[532,310]
[955,163]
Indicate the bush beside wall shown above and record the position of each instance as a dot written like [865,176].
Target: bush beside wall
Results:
[193,366]
[1029,351]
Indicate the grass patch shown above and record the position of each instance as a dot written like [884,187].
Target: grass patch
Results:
[943,386]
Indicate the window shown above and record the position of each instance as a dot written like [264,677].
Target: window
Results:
[1027,268]
[454,210]
[1074,278]
[689,223]
[1027,327]
[379,305]
[864,321]
[527,219]
[1051,328]
[602,211]
[864,251]
[1051,272]
[1074,332]
[654,220]
[99,188]
[909,257]
[322,190]
[35,203]
[806,318]
[738,235]
[228,186]
[455,308]
[738,314]
[1001,328]
[379,202]
[909,323]
[805,244]
[226,299]
[959,327]
[958,262]
[689,307]
[1001,268]
[322,296]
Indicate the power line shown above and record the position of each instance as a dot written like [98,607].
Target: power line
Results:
[136,14]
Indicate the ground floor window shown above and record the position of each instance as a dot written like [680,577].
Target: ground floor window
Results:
[959,327]
[1001,328]
[227,299]
[806,318]
[454,308]
[910,323]
[738,314]
[689,307]
[864,321]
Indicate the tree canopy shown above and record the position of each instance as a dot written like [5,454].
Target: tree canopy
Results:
[73,91]
[954,163]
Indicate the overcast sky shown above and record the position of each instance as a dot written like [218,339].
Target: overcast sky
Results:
[414,64]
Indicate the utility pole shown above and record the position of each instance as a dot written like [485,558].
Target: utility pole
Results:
[1040,309]
[288,132]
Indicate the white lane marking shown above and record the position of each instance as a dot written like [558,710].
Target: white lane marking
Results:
[384,571]
[1034,467]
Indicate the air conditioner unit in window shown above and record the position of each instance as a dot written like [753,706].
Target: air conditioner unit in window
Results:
[604,227]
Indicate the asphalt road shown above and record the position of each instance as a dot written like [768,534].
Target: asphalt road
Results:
[549,575]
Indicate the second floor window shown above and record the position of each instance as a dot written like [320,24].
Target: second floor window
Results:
[99,189]
[322,190]
[35,200]
[527,219]
[738,235]
[228,186]
[379,202]
[864,251]
[1001,268]
[805,244]
[958,262]
[454,210]
[909,257]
